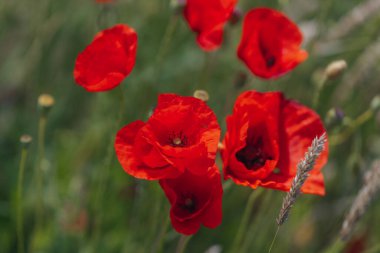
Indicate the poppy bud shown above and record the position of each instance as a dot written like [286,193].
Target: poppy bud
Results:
[335,69]
[177,5]
[375,103]
[202,95]
[45,101]
[334,116]
[377,118]
[25,140]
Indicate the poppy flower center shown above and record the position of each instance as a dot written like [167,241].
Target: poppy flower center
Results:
[252,155]
[178,140]
[269,58]
[188,203]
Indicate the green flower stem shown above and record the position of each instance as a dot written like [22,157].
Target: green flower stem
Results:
[253,226]
[244,220]
[182,243]
[318,90]
[336,247]
[355,124]
[157,245]
[19,220]
[165,42]
[205,71]
[104,173]
[274,239]
[39,169]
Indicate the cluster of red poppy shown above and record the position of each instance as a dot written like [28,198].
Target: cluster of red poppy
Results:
[270,44]
[181,134]
[267,134]
[177,145]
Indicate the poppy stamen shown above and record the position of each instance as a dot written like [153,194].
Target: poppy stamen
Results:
[177,139]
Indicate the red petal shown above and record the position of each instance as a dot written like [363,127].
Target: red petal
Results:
[207,18]
[255,114]
[206,191]
[109,58]
[270,45]
[291,127]
[194,120]
[300,126]
[130,159]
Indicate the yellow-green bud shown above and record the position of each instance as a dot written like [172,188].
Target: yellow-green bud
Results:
[375,103]
[25,140]
[202,95]
[335,69]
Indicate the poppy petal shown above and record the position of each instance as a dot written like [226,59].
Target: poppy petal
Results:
[270,44]
[207,19]
[131,163]
[194,200]
[109,58]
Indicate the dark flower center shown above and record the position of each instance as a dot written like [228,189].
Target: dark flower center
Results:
[187,203]
[252,155]
[269,59]
[177,140]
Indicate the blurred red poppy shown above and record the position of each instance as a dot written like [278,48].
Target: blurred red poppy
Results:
[182,134]
[270,45]
[267,135]
[109,58]
[194,200]
[207,19]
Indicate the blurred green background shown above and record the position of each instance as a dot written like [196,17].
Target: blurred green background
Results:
[91,205]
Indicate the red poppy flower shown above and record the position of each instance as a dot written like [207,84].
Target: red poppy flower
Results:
[181,134]
[270,45]
[207,19]
[194,200]
[267,135]
[109,58]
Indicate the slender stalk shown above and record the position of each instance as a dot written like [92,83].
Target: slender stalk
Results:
[157,245]
[20,223]
[355,124]
[318,91]
[182,243]
[274,239]
[39,169]
[336,247]
[157,223]
[104,174]
[202,83]
[256,224]
[245,218]
[45,103]
[303,168]
[165,42]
